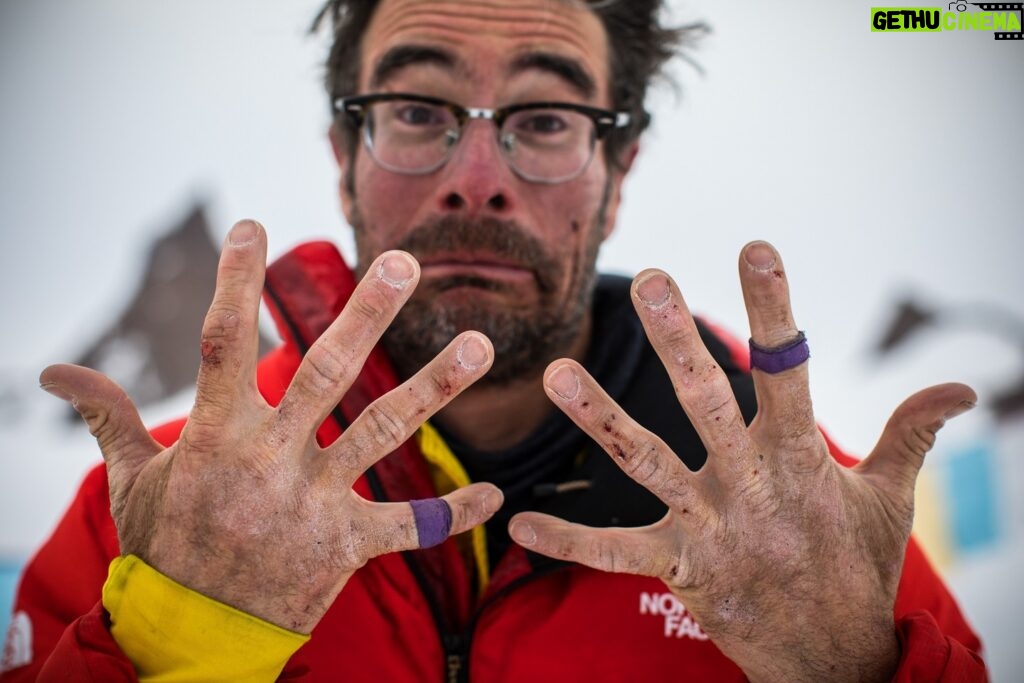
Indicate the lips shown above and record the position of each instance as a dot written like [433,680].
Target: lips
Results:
[475,266]
[482,253]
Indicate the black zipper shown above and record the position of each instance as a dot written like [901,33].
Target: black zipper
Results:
[456,657]
[378,493]
[457,647]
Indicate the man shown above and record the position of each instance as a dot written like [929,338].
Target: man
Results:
[490,141]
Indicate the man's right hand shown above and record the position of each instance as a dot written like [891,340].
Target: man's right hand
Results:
[246,508]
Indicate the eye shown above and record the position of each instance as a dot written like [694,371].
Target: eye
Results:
[543,122]
[420,114]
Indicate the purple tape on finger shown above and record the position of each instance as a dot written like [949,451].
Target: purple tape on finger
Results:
[433,520]
[779,358]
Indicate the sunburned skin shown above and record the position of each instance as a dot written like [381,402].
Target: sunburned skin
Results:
[487,54]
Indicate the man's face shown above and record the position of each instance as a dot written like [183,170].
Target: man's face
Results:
[511,258]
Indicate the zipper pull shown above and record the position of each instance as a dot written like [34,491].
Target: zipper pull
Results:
[454,663]
[454,657]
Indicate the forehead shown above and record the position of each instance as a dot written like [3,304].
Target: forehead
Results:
[484,44]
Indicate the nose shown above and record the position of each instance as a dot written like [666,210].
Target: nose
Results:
[476,179]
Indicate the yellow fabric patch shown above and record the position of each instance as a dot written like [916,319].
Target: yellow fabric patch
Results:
[171,633]
[449,474]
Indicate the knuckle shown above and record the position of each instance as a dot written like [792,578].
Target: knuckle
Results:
[717,399]
[201,436]
[109,424]
[698,374]
[223,322]
[639,455]
[209,429]
[798,436]
[101,425]
[801,452]
[915,444]
[607,558]
[328,367]
[224,325]
[613,556]
[678,346]
[387,429]
[644,463]
[715,406]
[371,305]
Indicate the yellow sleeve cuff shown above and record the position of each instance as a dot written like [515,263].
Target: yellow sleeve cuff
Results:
[171,633]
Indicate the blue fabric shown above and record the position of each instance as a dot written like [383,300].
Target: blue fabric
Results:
[9,573]
[974,497]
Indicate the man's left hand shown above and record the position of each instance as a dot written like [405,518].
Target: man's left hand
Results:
[789,561]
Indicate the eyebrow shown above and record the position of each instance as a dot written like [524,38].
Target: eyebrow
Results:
[567,69]
[402,56]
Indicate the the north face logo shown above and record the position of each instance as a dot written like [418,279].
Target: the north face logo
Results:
[679,623]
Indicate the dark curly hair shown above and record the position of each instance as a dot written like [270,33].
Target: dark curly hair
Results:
[639,46]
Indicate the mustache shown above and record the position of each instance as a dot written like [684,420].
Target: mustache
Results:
[501,238]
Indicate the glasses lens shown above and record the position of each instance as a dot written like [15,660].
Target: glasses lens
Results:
[548,144]
[410,136]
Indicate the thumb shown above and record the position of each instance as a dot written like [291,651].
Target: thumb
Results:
[910,434]
[112,418]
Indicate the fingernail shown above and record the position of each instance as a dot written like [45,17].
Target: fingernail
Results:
[396,270]
[493,501]
[653,290]
[472,352]
[959,409]
[564,382]
[243,233]
[522,533]
[760,256]
[52,388]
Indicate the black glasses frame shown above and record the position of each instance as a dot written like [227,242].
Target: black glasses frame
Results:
[354,108]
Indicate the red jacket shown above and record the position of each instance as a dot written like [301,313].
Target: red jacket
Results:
[413,616]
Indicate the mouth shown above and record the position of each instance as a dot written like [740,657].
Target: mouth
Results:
[474,267]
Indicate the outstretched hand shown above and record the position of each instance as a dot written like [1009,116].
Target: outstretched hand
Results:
[246,508]
[789,561]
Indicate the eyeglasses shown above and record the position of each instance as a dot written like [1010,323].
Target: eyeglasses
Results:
[543,142]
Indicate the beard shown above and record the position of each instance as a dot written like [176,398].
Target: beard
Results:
[525,339]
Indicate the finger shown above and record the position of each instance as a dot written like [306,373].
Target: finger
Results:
[391,527]
[910,434]
[647,551]
[390,420]
[783,398]
[230,338]
[702,388]
[639,453]
[337,357]
[112,418]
